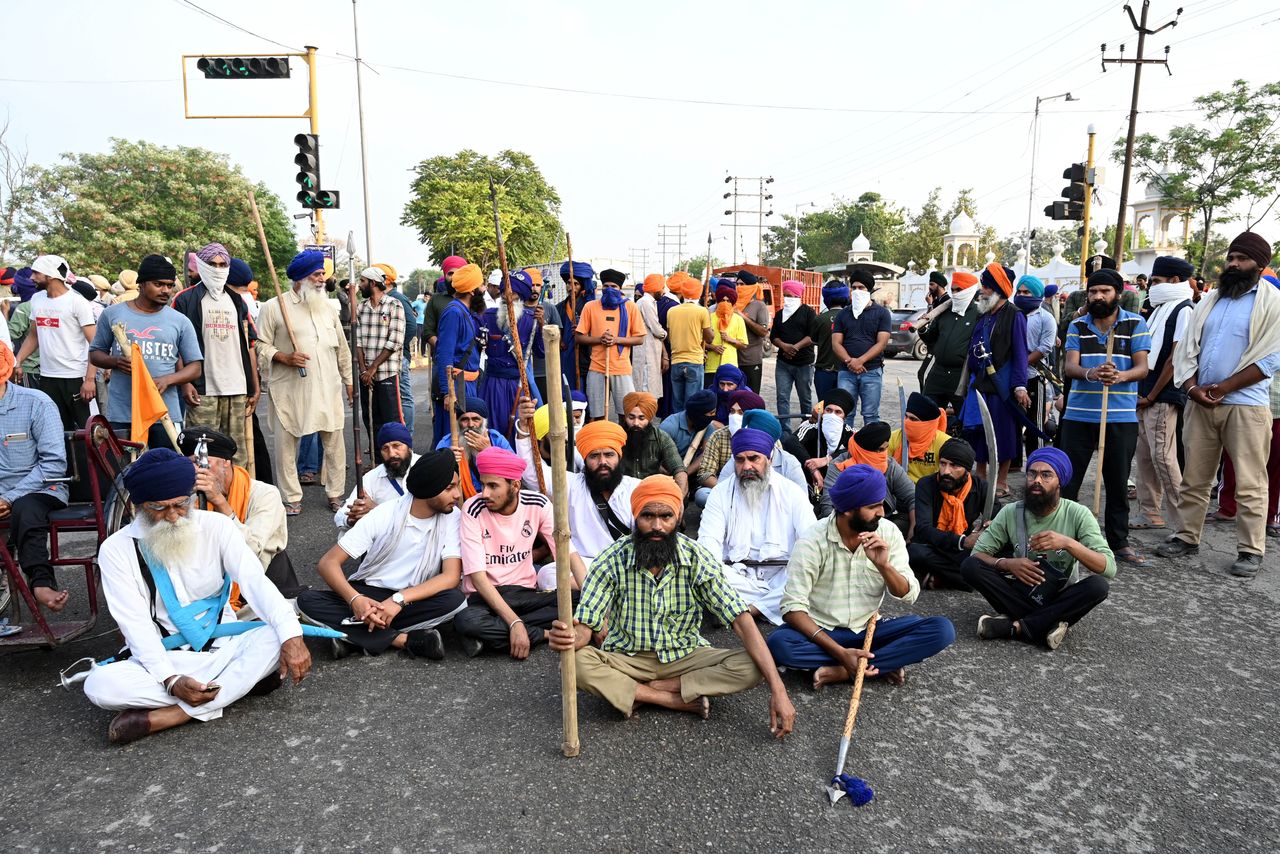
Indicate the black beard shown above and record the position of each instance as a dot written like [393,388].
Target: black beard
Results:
[1040,504]
[635,441]
[396,467]
[947,483]
[600,484]
[1102,308]
[652,552]
[1237,283]
[366,292]
[861,526]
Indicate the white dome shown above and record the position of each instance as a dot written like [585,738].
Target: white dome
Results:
[963,224]
[860,243]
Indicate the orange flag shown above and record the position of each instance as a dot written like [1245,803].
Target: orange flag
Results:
[148,405]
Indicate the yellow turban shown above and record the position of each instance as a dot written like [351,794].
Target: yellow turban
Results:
[467,279]
[642,400]
[598,435]
[536,275]
[541,422]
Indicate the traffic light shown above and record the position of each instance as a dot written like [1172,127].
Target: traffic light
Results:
[240,68]
[308,162]
[1075,193]
[325,200]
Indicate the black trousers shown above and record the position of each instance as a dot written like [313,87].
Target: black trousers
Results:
[261,455]
[381,404]
[1009,596]
[29,537]
[943,565]
[65,393]
[754,374]
[1030,441]
[1078,440]
[537,609]
[325,606]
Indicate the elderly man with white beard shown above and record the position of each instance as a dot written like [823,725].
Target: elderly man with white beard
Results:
[302,349]
[167,579]
[752,520]
[475,434]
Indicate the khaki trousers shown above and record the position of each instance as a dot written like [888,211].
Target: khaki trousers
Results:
[1245,433]
[705,672]
[226,415]
[286,454]
[1159,475]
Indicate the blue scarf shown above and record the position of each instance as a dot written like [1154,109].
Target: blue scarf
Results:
[613,299]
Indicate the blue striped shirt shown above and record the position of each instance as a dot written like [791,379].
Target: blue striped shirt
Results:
[33,448]
[1085,401]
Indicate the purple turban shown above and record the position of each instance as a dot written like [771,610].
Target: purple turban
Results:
[750,439]
[746,399]
[1055,459]
[522,285]
[211,251]
[858,486]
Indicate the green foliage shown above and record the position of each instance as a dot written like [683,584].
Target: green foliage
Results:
[925,229]
[1042,245]
[104,212]
[697,266]
[825,235]
[451,212]
[421,281]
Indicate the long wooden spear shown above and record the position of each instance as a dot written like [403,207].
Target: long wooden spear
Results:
[570,306]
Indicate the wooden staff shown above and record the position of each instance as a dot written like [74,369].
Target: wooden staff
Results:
[571,306]
[564,578]
[1102,426]
[275,283]
[126,350]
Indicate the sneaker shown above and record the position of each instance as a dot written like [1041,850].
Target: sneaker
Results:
[1175,547]
[472,646]
[1054,639]
[1246,565]
[997,627]
[424,643]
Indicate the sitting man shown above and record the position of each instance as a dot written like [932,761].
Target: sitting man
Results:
[784,462]
[167,579]
[826,438]
[648,449]
[254,506]
[1023,564]
[752,520]
[870,446]
[33,457]
[407,584]
[948,517]
[649,591]
[693,426]
[499,525]
[837,579]
[926,428]
[384,483]
[475,434]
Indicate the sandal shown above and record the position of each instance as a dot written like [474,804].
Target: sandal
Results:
[335,504]
[1218,516]
[1004,494]
[1132,557]
[1145,525]
[307,479]
[1273,530]
[294,509]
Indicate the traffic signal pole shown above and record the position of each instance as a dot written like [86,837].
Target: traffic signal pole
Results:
[1088,203]
[313,113]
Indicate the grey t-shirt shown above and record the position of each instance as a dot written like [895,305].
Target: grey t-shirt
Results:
[753,354]
[162,337]
[223,367]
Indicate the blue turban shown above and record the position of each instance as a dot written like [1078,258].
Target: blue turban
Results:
[159,475]
[478,406]
[578,396]
[1172,267]
[748,439]
[835,293]
[1055,459]
[581,270]
[858,486]
[696,407]
[394,431]
[240,273]
[23,285]
[763,420]
[304,264]
[726,373]
[1032,284]
[522,285]
[1050,291]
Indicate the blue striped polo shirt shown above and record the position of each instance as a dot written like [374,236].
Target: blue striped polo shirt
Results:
[1085,401]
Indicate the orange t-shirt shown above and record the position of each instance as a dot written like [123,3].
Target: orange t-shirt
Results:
[595,321]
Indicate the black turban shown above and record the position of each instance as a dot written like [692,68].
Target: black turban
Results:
[431,474]
[922,407]
[1170,267]
[872,436]
[862,276]
[1254,245]
[958,452]
[1102,262]
[220,445]
[613,277]
[84,289]
[940,280]
[1106,276]
[747,278]
[156,268]
[841,398]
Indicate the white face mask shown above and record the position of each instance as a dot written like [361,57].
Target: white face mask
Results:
[790,303]
[735,422]
[832,430]
[214,278]
[858,300]
[987,303]
[960,301]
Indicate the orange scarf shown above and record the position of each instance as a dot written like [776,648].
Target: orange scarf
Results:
[238,498]
[878,460]
[951,517]
[746,293]
[920,435]
[724,314]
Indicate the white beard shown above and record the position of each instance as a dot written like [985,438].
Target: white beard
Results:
[987,303]
[172,543]
[754,490]
[503,321]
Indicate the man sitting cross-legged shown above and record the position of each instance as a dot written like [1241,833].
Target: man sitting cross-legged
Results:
[407,584]
[1044,539]
[384,483]
[837,578]
[506,610]
[949,519]
[649,450]
[167,580]
[649,590]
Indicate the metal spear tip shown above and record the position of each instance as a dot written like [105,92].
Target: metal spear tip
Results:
[351,244]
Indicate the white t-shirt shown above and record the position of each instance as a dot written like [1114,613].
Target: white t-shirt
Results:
[424,546]
[223,367]
[59,325]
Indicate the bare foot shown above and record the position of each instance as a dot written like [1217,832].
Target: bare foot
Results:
[672,700]
[54,600]
[829,675]
[897,677]
[670,686]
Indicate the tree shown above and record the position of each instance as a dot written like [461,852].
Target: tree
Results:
[104,212]
[1042,245]
[922,238]
[422,281]
[451,212]
[1209,165]
[15,185]
[826,235]
[697,266]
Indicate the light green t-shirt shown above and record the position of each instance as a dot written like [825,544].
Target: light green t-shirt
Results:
[1068,518]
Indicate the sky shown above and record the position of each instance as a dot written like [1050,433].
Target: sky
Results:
[636,113]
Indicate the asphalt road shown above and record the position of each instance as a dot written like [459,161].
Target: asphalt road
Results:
[1154,728]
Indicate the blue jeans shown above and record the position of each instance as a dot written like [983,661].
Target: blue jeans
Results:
[823,382]
[785,377]
[865,388]
[898,642]
[686,378]
[406,394]
[310,454]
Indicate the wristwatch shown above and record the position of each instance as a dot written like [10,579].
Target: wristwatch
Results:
[398,598]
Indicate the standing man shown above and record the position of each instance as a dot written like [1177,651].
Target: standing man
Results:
[689,334]
[379,339]
[755,314]
[858,340]
[611,324]
[456,344]
[64,327]
[580,288]
[826,368]
[650,358]
[1225,367]
[938,289]
[410,333]
[544,312]
[1160,401]
[311,403]
[226,392]
[440,299]
[728,330]
[947,338]
[795,326]
[1091,372]
[1042,333]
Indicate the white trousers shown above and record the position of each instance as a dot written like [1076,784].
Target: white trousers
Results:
[239,663]
[760,586]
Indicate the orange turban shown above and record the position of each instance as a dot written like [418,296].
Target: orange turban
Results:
[536,275]
[963,280]
[654,283]
[642,400]
[659,489]
[6,362]
[1000,277]
[389,270]
[692,287]
[467,279]
[598,435]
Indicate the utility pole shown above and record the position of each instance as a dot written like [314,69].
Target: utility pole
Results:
[761,197]
[638,270]
[1031,193]
[674,243]
[364,163]
[1088,204]
[1137,63]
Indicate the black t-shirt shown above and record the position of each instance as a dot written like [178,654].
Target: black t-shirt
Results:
[860,332]
[803,323]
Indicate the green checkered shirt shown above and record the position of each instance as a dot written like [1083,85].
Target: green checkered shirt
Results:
[656,614]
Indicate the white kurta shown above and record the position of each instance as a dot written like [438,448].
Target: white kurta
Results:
[236,663]
[377,485]
[313,403]
[646,358]
[265,528]
[587,529]
[730,530]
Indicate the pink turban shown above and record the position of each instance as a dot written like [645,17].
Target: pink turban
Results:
[792,288]
[453,262]
[500,462]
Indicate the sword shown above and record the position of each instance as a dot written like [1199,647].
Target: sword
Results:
[989,433]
